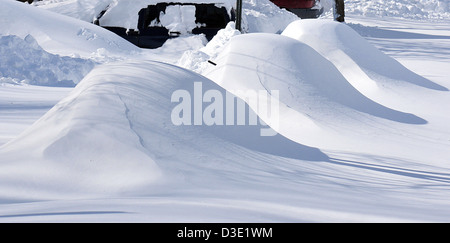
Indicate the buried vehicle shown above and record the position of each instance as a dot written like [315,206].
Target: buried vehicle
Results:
[305,9]
[149,24]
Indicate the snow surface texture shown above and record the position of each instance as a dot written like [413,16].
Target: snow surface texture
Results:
[112,137]
[369,151]
[22,105]
[24,60]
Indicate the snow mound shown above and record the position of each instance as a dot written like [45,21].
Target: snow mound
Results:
[312,91]
[62,35]
[364,66]
[114,134]
[24,60]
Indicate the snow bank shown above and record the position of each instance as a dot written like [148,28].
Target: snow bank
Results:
[59,34]
[364,66]
[25,61]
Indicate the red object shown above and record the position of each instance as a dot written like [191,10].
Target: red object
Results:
[294,3]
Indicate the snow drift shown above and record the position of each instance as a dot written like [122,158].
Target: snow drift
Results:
[354,56]
[373,73]
[111,152]
[24,60]
[312,91]
[114,134]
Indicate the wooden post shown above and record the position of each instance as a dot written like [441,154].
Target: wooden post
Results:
[239,15]
[339,11]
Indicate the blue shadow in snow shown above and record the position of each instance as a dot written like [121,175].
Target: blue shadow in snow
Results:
[249,137]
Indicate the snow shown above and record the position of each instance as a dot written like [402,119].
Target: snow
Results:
[412,9]
[316,92]
[258,16]
[363,65]
[197,59]
[179,19]
[81,9]
[25,61]
[54,31]
[21,105]
[120,13]
[261,16]
[363,128]
[422,10]
[264,16]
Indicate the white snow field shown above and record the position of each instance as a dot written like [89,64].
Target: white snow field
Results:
[363,123]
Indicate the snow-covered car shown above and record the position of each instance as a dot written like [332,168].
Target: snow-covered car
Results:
[151,25]
[305,9]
